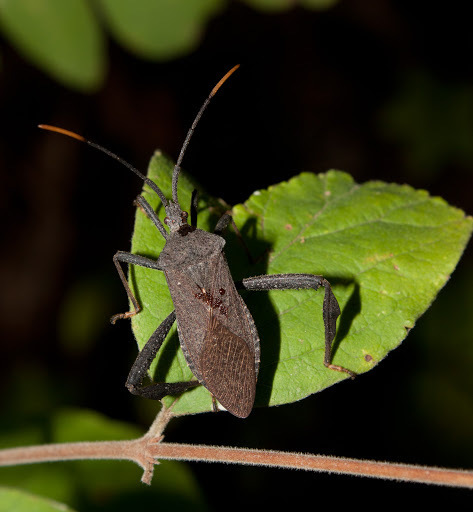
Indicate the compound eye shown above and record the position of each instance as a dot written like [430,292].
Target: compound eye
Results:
[184,216]
[166,221]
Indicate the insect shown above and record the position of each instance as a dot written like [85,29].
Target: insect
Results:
[217,333]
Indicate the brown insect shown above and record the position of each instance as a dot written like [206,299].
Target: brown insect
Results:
[216,330]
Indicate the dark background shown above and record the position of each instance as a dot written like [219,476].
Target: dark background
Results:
[316,90]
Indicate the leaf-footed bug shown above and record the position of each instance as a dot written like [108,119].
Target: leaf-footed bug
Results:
[216,330]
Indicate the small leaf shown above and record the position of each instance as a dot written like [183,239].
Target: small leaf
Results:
[159,29]
[21,501]
[71,425]
[62,38]
[386,249]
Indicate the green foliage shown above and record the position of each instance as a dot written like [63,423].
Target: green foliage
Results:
[21,501]
[432,122]
[162,29]
[62,38]
[387,250]
[67,39]
[80,320]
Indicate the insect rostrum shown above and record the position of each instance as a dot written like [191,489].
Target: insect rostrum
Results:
[217,333]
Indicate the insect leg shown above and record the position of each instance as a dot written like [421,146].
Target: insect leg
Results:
[223,223]
[133,259]
[142,363]
[193,208]
[331,309]
[141,202]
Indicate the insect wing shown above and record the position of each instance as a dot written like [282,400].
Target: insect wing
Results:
[228,368]
[216,331]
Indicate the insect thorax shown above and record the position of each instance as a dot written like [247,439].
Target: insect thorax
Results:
[192,248]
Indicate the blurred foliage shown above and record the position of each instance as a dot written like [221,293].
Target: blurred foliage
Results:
[163,29]
[282,5]
[19,501]
[67,40]
[62,38]
[432,121]
[93,485]
[81,318]
[442,402]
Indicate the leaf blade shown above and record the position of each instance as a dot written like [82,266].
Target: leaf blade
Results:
[387,250]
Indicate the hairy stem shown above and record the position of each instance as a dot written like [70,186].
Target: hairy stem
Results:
[147,450]
[309,462]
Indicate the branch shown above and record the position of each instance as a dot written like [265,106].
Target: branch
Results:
[309,462]
[147,450]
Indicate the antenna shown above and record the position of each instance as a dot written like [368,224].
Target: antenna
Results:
[68,133]
[177,167]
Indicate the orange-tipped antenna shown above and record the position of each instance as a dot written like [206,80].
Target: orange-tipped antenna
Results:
[61,130]
[68,133]
[177,167]
[224,79]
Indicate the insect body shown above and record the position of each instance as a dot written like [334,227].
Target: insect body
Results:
[216,330]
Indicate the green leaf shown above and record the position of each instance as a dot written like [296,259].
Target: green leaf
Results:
[387,250]
[159,29]
[71,425]
[19,501]
[62,38]
[80,318]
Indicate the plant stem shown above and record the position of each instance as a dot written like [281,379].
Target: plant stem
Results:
[309,462]
[146,451]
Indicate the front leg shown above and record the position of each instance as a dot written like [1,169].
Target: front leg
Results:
[132,259]
[158,390]
[331,309]
[222,225]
